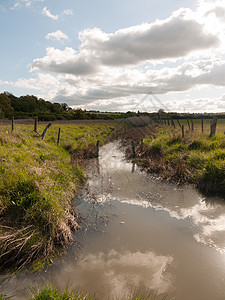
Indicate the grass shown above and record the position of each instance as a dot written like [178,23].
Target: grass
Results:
[196,158]
[52,293]
[38,181]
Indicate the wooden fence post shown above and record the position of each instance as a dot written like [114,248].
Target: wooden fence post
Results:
[173,124]
[35,124]
[202,126]
[189,125]
[182,128]
[213,127]
[192,126]
[179,124]
[46,128]
[97,149]
[12,123]
[133,149]
[58,137]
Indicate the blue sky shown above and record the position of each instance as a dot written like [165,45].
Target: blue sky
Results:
[114,55]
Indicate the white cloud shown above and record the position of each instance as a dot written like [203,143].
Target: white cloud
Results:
[48,14]
[27,3]
[65,62]
[175,37]
[68,12]
[39,83]
[127,83]
[57,35]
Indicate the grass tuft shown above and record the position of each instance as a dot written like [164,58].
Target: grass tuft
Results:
[51,293]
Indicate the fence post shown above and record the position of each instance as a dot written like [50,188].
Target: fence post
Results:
[58,137]
[173,124]
[179,124]
[133,149]
[46,128]
[97,149]
[35,124]
[213,127]
[182,128]
[188,125]
[202,126]
[192,126]
[12,123]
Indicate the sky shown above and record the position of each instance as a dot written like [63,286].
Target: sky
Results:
[120,55]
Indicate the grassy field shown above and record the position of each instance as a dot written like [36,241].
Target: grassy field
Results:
[37,185]
[206,125]
[197,158]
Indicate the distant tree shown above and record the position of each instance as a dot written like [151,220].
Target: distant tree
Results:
[161,111]
[5,106]
[65,106]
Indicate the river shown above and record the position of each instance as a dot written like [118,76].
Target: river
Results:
[139,233]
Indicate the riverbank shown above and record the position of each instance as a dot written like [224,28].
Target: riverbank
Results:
[196,159]
[39,180]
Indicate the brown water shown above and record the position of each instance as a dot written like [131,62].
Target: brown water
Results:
[140,233]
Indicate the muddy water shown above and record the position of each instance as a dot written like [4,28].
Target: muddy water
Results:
[140,233]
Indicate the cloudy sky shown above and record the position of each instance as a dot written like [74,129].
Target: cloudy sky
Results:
[114,55]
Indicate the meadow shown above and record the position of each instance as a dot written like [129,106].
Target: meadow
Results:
[195,158]
[38,182]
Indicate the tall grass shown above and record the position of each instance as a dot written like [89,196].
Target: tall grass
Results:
[53,293]
[38,181]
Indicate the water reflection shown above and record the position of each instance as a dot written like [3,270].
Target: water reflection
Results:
[118,273]
[208,218]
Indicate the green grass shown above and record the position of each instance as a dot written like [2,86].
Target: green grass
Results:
[52,293]
[196,158]
[37,185]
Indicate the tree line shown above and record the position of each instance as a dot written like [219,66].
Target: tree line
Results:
[30,106]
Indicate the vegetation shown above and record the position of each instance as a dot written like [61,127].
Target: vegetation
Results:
[37,184]
[30,106]
[52,293]
[197,158]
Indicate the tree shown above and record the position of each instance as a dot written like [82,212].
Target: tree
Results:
[5,106]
